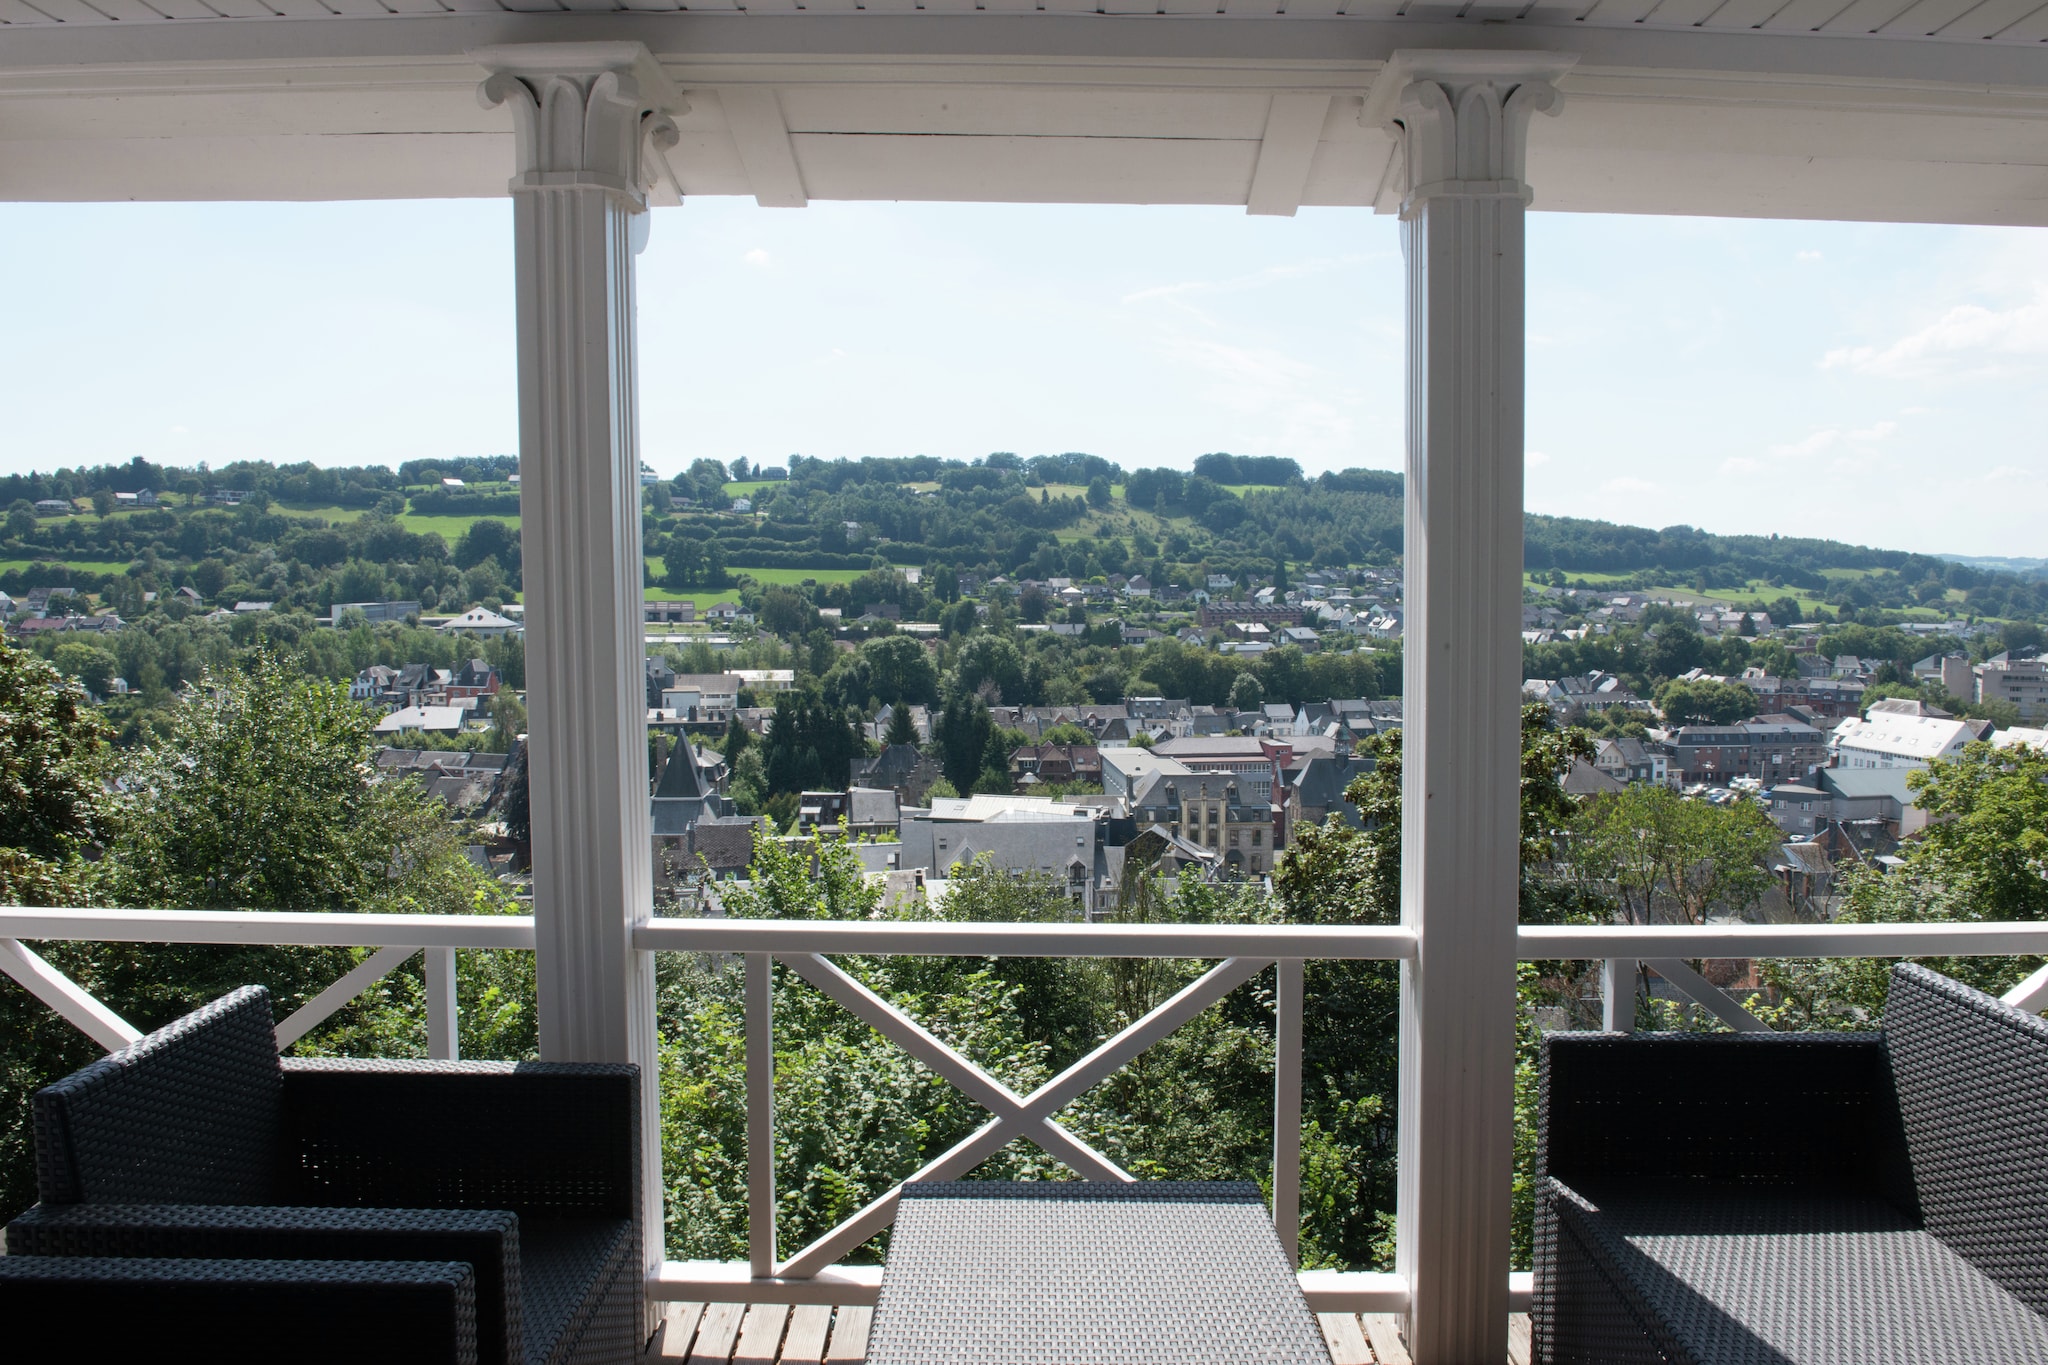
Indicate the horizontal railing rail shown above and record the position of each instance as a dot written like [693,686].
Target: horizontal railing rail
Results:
[276,928]
[935,938]
[806,946]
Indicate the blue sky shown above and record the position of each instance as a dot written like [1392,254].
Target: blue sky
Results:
[1882,384]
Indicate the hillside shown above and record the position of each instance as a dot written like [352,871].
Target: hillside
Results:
[307,537]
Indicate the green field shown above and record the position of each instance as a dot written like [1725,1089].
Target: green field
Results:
[750,487]
[82,565]
[450,528]
[765,577]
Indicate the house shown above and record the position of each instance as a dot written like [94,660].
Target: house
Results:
[476,678]
[681,795]
[1061,763]
[1234,818]
[1582,779]
[1770,749]
[702,698]
[2023,682]
[1630,761]
[1848,796]
[251,608]
[669,613]
[1014,833]
[1124,769]
[373,612]
[372,683]
[53,507]
[1885,739]
[481,621]
[901,769]
[742,504]
[1301,637]
[866,812]
[766,679]
[1951,671]
[432,720]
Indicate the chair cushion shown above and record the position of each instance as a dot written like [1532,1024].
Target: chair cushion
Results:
[569,1270]
[188,1115]
[1971,1075]
[1750,1277]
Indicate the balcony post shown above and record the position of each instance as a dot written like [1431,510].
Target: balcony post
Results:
[589,121]
[1460,121]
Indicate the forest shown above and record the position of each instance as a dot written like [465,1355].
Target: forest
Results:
[305,536]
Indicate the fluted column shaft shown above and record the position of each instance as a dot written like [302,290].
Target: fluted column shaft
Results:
[1462,121]
[583,114]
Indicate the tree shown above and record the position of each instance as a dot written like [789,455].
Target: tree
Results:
[1247,693]
[265,797]
[962,731]
[1670,858]
[1705,703]
[92,666]
[1982,858]
[209,576]
[54,759]
[901,671]
[486,538]
[902,729]
[1098,493]
[508,721]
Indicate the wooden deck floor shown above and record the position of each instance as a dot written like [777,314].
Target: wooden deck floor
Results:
[814,1334]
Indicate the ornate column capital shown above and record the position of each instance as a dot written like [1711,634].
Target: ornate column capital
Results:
[1460,122]
[586,116]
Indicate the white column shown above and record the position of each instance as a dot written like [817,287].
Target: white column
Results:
[584,115]
[1461,122]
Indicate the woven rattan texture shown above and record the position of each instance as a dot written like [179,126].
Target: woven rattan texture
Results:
[394,1313]
[529,1172]
[488,1240]
[1766,1278]
[1761,1200]
[544,1139]
[187,1115]
[1088,1273]
[1972,1079]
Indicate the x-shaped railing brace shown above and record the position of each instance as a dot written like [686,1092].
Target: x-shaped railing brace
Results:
[1014,1116]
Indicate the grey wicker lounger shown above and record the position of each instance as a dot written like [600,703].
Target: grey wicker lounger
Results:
[1089,1273]
[1799,1199]
[194,1157]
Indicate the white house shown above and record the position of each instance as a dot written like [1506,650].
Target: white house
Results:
[480,621]
[1885,739]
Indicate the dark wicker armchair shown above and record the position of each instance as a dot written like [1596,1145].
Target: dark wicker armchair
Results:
[1799,1199]
[351,1210]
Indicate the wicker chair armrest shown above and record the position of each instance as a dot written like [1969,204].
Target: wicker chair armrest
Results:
[487,1240]
[542,1139]
[1814,1110]
[312,1312]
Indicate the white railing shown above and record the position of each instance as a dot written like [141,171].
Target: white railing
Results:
[805,947]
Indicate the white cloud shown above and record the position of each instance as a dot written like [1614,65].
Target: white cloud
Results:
[1534,459]
[757,258]
[1741,464]
[1812,445]
[1826,438]
[1807,256]
[1628,486]
[1969,340]
[2006,472]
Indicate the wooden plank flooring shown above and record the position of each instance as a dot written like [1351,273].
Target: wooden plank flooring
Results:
[814,1334]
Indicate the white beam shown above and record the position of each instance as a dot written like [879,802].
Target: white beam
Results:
[754,117]
[66,996]
[583,116]
[2030,995]
[1706,995]
[1294,128]
[1462,120]
[352,983]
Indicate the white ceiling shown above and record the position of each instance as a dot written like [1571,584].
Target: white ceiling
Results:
[1812,108]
